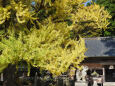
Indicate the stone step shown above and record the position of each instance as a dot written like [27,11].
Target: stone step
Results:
[80,83]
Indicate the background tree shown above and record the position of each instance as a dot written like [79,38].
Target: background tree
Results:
[91,20]
[109,5]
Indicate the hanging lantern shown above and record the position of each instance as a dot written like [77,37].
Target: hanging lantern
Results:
[111,67]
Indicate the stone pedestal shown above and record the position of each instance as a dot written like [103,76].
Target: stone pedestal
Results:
[109,84]
[80,83]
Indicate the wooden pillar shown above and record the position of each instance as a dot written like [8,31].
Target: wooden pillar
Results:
[103,74]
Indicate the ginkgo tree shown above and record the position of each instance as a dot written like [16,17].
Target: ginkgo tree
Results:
[39,33]
[91,20]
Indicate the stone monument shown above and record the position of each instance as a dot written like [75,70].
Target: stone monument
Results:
[84,73]
[81,77]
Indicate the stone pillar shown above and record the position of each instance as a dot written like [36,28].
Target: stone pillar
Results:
[103,74]
[2,79]
[35,79]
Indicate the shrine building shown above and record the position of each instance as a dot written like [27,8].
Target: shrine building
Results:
[101,59]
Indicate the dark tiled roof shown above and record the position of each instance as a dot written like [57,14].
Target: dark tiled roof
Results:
[100,46]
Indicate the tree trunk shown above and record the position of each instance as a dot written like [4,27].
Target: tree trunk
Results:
[10,76]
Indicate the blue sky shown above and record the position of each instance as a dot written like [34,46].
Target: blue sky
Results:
[87,2]
[33,3]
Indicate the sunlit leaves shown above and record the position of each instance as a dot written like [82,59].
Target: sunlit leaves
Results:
[4,14]
[39,33]
[91,20]
[47,48]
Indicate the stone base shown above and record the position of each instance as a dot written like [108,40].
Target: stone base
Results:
[80,83]
[109,84]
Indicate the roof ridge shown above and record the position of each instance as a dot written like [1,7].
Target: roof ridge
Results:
[100,38]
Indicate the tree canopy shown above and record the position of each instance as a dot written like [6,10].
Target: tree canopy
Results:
[91,20]
[110,6]
[45,33]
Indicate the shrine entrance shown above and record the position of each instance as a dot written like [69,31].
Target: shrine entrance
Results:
[109,75]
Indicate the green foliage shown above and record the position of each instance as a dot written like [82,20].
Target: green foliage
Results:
[90,20]
[110,7]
